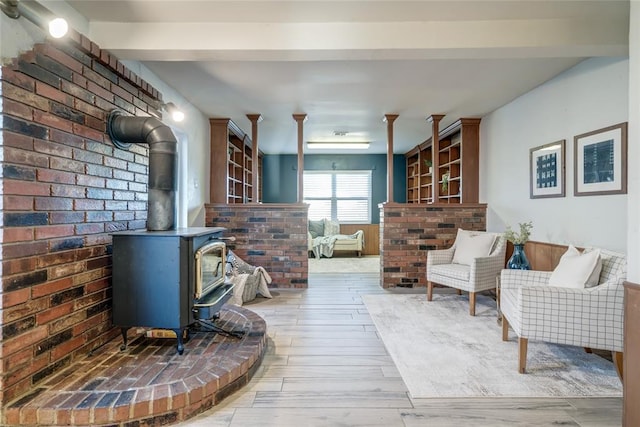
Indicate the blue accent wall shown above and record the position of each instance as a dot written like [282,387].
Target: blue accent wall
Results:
[399,178]
[280,176]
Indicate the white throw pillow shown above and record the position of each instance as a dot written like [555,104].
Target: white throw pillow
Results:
[331,228]
[470,245]
[577,270]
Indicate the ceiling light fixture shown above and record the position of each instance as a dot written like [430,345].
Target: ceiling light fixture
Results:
[337,145]
[37,14]
[176,114]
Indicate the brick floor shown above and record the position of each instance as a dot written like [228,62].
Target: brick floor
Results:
[148,383]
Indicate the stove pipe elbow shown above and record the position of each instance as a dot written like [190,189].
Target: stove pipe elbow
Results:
[163,163]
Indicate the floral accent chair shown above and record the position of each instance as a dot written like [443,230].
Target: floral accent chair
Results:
[472,264]
[558,307]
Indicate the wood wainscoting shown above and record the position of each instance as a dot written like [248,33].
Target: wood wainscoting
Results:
[541,255]
[631,410]
[371,236]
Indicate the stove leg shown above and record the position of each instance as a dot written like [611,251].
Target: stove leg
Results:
[123,331]
[180,347]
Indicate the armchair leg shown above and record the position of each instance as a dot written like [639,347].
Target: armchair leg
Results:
[429,291]
[472,303]
[522,354]
[505,329]
[618,358]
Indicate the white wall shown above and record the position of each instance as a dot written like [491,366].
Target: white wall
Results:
[17,35]
[592,95]
[633,244]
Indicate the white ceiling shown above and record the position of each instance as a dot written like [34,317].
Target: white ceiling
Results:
[348,63]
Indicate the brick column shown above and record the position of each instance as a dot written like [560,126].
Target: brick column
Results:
[273,236]
[408,231]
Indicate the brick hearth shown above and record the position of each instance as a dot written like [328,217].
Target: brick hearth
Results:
[148,383]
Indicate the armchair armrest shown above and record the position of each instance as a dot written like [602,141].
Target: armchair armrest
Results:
[360,237]
[486,268]
[518,278]
[578,304]
[440,256]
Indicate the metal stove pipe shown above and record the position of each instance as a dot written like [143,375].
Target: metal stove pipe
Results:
[163,163]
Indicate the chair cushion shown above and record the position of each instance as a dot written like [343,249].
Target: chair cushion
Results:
[316,228]
[577,270]
[471,245]
[452,271]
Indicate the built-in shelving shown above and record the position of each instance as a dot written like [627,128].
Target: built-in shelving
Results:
[436,174]
[231,164]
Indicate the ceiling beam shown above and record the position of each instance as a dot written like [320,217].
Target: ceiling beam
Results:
[369,40]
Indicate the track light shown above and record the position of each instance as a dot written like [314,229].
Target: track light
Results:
[176,114]
[37,14]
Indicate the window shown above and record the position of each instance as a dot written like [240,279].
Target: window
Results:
[343,196]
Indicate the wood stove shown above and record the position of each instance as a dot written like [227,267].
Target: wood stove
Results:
[168,279]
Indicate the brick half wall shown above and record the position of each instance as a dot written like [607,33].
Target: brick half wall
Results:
[273,236]
[408,231]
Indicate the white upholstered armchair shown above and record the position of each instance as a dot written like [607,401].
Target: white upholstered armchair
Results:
[590,317]
[472,264]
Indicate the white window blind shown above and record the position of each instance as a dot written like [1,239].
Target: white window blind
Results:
[343,196]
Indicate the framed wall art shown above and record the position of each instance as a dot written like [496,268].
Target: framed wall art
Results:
[547,171]
[601,161]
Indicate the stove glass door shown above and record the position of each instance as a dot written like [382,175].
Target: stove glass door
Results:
[210,267]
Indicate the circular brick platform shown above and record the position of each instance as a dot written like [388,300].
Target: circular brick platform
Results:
[148,382]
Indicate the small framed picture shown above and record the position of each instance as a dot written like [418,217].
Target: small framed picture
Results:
[547,170]
[601,161]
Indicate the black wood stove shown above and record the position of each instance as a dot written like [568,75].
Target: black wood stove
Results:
[169,279]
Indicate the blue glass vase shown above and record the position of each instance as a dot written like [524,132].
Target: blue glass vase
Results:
[518,260]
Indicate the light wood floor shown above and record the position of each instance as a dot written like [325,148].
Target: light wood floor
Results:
[326,366]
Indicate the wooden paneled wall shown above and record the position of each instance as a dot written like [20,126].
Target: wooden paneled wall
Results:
[371,236]
[541,255]
[631,410]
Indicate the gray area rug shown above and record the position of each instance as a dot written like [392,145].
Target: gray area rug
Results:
[441,351]
[364,264]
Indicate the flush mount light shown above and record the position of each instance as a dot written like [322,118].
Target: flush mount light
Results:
[176,114]
[37,14]
[337,145]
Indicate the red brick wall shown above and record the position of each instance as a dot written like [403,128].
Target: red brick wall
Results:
[65,187]
[270,235]
[408,231]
